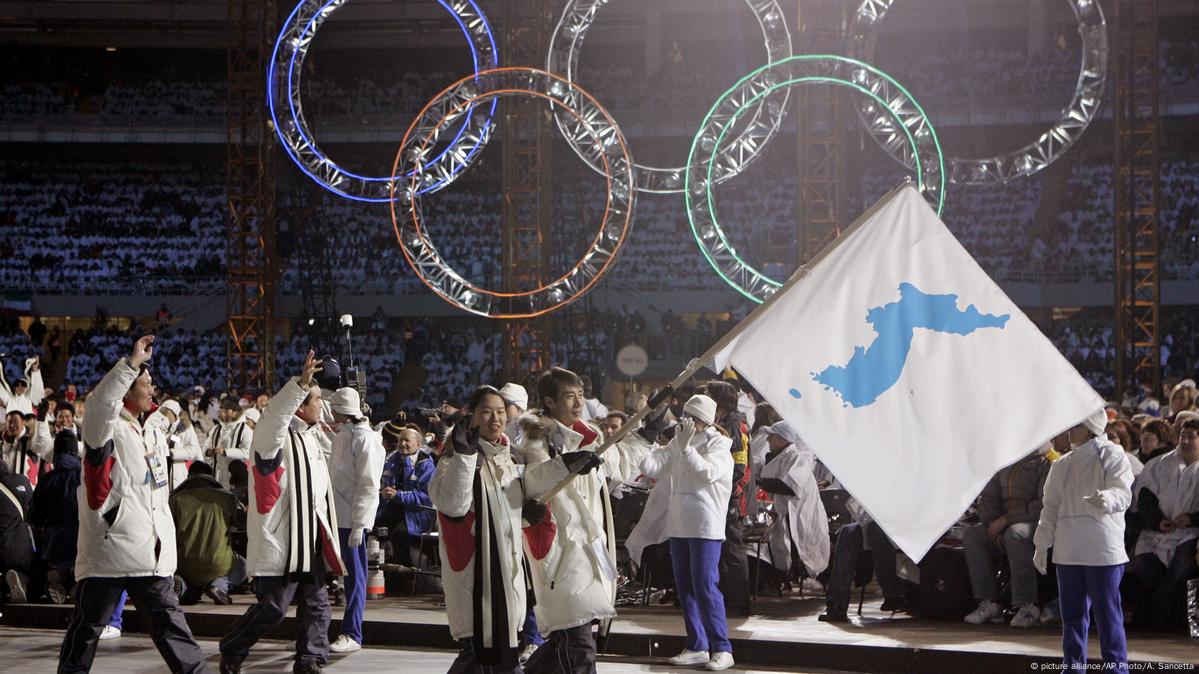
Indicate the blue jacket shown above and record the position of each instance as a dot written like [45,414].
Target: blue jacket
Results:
[410,476]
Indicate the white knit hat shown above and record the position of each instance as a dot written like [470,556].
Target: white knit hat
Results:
[1096,423]
[252,414]
[172,406]
[346,401]
[701,407]
[515,394]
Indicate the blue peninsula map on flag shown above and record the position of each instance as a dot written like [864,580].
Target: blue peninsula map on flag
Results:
[874,369]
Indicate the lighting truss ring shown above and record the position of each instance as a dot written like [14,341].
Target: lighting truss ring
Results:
[703,161]
[563,57]
[283,84]
[609,151]
[1048,145]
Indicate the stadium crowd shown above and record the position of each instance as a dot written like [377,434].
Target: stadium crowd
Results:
[1151,435]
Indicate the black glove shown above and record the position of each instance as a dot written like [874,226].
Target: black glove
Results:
[582,462]
[654,423]
[465,439]
[533,512]
[774,485]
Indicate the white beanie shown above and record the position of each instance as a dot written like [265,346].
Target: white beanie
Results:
[172,406]
[1096,423]
[252,414]
[346,401]
[701,407]
[784,430]
[515,394]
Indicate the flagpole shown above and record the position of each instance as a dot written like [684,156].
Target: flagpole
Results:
[697,364]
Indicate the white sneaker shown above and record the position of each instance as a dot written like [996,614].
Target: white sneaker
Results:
[344,644]
[690,658]
[1027,616]
[987,611]
[526,653]
[110,632]
[16,586]
[720,662]
[1049,616]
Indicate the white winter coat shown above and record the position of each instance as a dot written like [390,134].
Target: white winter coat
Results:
[356,465]
[574,573]
[464,543]
[291,497]
[140,540]
[802,520]
[31,398]
[182,444]
[1176,486]
[1080,533]
[21,454]
[235,437]
[691,497]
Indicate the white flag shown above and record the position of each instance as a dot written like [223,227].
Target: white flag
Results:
[908,371]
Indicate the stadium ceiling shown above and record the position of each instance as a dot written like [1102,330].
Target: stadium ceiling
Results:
[192,24]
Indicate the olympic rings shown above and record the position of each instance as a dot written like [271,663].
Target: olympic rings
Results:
[563,58]
[608,148]
[283,81]
[1048,145]
[702,162]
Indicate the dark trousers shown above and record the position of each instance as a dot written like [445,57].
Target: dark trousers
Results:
[569,651]
[274,596]
[1165,587]
[154,597]
[734,568]
[467,663]
[850,543]
[1086,590]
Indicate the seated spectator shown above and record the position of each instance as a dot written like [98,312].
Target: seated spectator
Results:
[1008,508]
[1157,438]
[1123,433]
[851,542]
[1168,501]
[56,514]
[16,539]
[404,505]
[802,522]
[204,512]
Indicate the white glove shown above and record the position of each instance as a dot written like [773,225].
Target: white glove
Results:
[355,538]
[1099,500]
[684,432]
[1040,559]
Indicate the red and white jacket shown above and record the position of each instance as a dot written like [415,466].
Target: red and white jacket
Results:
[125,524]
[291,512]
[29,453]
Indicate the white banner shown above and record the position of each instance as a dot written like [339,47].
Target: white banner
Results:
[908,371]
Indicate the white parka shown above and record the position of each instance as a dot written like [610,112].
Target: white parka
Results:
[1080,532]
[125,524]
[574,574]
[182,443]
[291,497]
[1176,486]
[464,541]
[27,401]
[691,496]
[356,465]
[802,520]
[235,438]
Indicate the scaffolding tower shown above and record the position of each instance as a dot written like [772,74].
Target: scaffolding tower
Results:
[1137,196]
[526,128]
[250,189]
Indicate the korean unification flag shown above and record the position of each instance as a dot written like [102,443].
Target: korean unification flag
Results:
[908,371]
